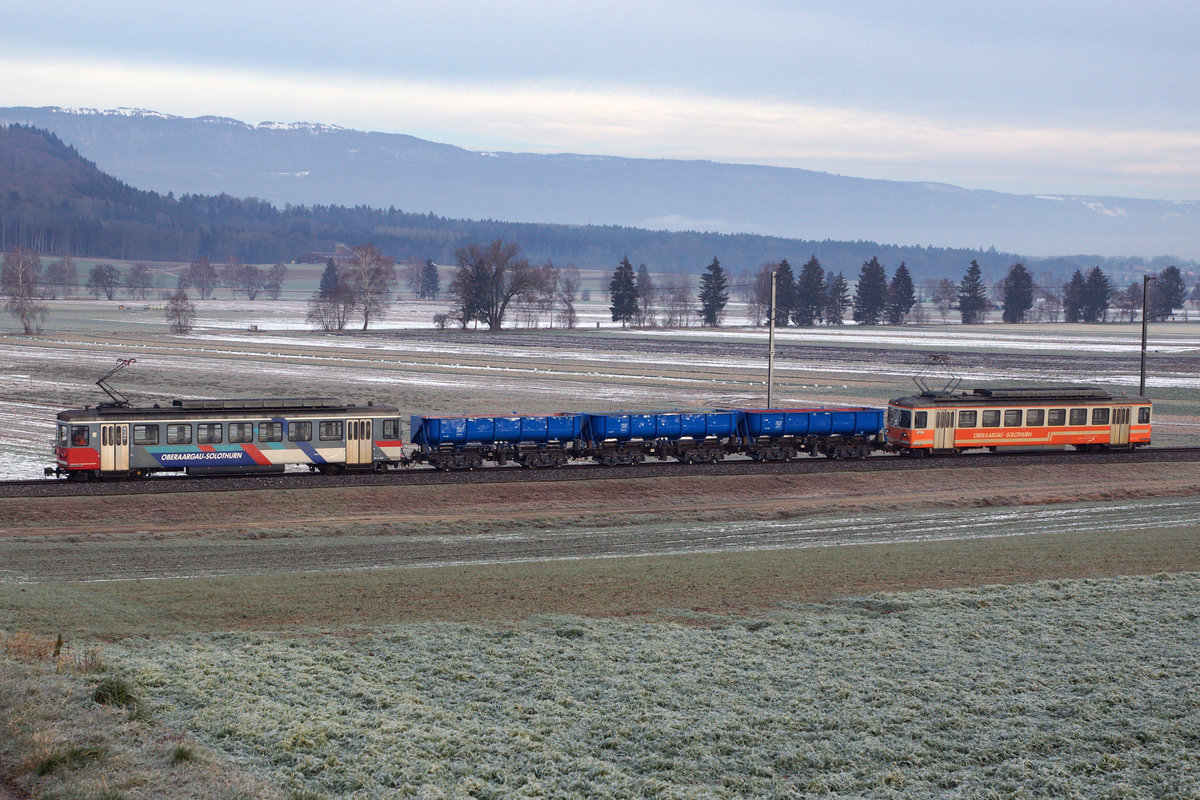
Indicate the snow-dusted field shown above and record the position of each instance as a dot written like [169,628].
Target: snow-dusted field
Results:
[261,348]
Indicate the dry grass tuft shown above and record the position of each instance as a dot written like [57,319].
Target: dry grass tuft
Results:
[30,648]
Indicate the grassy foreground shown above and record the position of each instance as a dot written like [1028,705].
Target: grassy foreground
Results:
[1061,688]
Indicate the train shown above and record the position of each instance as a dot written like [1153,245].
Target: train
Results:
[267,435]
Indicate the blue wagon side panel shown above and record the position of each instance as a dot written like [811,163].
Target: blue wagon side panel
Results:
[435,432]
[802,422]
[669,425]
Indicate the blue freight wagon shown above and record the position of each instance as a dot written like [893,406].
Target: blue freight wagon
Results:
[465,442]
[628,437]
[782,433]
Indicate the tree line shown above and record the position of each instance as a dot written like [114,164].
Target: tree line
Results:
[1084,298]
[494,280]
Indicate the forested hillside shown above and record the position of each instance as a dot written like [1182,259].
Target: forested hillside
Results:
[55,202]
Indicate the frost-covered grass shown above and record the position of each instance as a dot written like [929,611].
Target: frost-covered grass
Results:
[65,734]
[1074,688]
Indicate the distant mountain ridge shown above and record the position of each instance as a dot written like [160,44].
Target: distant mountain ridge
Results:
[314,163]
[56,202]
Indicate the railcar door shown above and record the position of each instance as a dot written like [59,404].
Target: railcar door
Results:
[1119,434]
[114,448]
[358,441]
[943,430]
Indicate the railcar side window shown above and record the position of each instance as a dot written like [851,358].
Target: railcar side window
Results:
[270,431]
[208,433]
[79,436]
[299,431]
[967,419]
[331,431]
[145,434]
[1035,416]
[1079,416]
[991,419]
[1144,415]
[1012,417]
[179,434]
[1099,416]
[921,419]
[241,432]
[1056,416]
[391,429]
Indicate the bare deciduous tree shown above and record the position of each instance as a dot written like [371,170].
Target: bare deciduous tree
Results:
[758,295]
[19,280]
[104,279]
[330,310]
[200,275]
[180,313]
[945,295]
[677,302]
[61,277]
[370,277]
[568,291]
[273,285]
[489,279]
[139,281]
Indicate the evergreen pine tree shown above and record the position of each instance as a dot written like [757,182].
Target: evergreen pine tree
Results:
[1073,295]
[972,296]
[901,297]
[329,278]
[1167,293]
[811,294]
[837,299]
[1018,293]
[870,295]
[785,293]
[622,293]
[1097,295]
[714,294]
[431,281]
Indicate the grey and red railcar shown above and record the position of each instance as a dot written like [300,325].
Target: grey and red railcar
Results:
[226,436]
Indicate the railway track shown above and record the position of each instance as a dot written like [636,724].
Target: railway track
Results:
[424,476]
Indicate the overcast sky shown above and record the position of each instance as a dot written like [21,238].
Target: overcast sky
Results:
[1025,96]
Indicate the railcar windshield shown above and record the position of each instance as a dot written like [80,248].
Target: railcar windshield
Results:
[62,435]
[899,417]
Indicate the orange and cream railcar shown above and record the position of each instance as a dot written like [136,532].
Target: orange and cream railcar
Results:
[1086,418]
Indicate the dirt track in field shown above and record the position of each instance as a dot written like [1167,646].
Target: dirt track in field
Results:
[154,536]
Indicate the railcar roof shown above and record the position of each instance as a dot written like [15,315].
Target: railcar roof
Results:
[231,409]
[1019,396]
